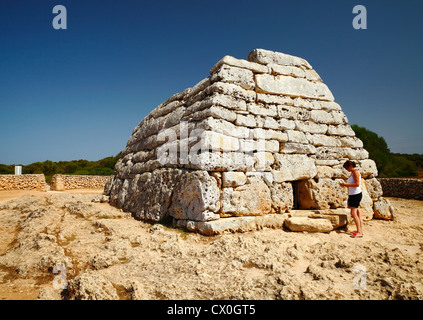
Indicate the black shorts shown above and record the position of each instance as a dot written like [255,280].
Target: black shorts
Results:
[354,200]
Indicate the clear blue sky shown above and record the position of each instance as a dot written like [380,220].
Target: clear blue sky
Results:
[79,93]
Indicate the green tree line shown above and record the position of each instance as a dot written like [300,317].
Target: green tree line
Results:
[103,167]
[390,165]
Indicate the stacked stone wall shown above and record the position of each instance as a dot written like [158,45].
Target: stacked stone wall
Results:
[61,182]
[22,182]
[402,188]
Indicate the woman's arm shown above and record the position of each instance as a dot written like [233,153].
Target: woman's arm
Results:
[356,183]
[356,177]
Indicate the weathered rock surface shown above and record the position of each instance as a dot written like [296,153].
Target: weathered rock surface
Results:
[383,209]
[157,262]
[308,224]
[91,286]
[250,199]
[196,197]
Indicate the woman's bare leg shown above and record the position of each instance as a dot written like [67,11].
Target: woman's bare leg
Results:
[357,220]
[360,219]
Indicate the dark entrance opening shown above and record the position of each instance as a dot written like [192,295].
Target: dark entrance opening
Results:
[296,204]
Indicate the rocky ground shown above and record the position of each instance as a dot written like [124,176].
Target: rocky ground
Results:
[52,240]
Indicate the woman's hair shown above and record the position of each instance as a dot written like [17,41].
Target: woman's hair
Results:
[349,163]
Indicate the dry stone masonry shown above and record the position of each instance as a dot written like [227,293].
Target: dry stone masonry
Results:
[61,182]
[36,182]
[256,138]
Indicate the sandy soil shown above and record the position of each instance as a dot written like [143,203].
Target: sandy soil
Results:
[103,253]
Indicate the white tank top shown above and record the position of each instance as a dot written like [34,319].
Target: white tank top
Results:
[354,190]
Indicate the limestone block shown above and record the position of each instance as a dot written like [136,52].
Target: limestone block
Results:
[296,136]
[282,197]
[293,87]
[248,145]
[217,161]
[212,111]
[263,161]
[196,197]
[311,74]
[285,124]
[302,114]
[341,130]
[236,224]
[263,134]
[383,210]
[324,172]
[143,156]
[329,153]
[355,154]
[240,202]
[220,126]
[322,194]
[219,99]
[262,110]
[219,142]
[337,219]
[164,109]
[339,117]
[300,224]
[306,103]
[374,188]
[266,56]
[287,112]
[366,204]
[274,99]
[199,96]
[259,121]
[327,162]
[367,168]
[292,71]
[330,106]
[322,140]
[231,61]
[291,167]
[298,148]
[233,179]
[239,76]
[322,116]
[156,189]
[245,120]
[231,89]
[271,146]
[351,142]
[199,87]
[270,123]
[311,127]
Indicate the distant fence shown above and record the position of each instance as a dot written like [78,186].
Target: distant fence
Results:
[402,188]
[22,182]
[60,182]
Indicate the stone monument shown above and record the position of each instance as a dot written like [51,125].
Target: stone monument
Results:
[255,139]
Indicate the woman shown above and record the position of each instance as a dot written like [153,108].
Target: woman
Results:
[354,197]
